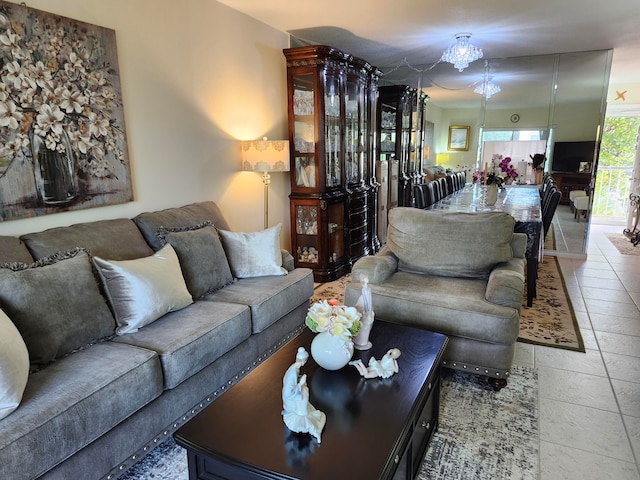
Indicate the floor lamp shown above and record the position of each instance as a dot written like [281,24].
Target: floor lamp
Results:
[265,156]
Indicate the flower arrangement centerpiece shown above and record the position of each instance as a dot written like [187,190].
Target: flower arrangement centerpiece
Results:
[335,325]
[508,169]
[338,320]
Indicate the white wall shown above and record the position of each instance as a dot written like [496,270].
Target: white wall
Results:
[196,78]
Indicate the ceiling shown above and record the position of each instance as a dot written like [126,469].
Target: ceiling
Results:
[405,37]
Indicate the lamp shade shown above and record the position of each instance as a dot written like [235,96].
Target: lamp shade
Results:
[265,155]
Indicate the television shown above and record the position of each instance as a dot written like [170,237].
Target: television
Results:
[573,157]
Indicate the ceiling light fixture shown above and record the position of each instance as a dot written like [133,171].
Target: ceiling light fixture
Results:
[461,52]
[488,89]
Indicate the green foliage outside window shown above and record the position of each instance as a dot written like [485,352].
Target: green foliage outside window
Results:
[617,152]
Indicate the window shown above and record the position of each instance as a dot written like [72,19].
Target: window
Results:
[513,135]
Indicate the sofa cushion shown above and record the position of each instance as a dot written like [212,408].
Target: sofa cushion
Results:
[255,254]
[189,340]
[75,400]
[452,306]
[14,366]
[187,216]
[13,250]
[269,298]
[142,290]
[437,243]
[56,304]
[117,239]
[202,258]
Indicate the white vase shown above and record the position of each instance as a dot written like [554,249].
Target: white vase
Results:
[492,194]
[331,352]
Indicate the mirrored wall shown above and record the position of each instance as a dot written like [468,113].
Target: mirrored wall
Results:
[562,96]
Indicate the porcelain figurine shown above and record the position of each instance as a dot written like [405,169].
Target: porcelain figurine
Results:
[383,368]
[298,413]
[365,306]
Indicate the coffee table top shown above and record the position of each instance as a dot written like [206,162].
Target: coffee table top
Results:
[366,419]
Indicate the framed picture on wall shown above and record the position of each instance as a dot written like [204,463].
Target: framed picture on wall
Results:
[458,138]
[63,144]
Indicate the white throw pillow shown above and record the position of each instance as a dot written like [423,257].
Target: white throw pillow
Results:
[254,254]
[142,290]
[14,366]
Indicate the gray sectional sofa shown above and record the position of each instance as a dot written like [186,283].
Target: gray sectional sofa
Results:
[95,401]
[459,274]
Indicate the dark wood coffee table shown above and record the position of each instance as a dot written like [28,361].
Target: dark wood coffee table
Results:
[376,428]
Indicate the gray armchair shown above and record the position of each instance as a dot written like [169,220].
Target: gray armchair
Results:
[458,274]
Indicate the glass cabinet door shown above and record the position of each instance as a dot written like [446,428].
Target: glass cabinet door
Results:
[351,132]
[332,147]
[387,132]
[406,135]
[306,167]
[306,233]
[309,220]
[335,223]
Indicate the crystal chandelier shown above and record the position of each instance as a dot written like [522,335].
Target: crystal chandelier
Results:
[461,52]
[488,89]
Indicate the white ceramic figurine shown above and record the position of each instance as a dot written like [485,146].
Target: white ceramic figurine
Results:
[384,368]
[298,414]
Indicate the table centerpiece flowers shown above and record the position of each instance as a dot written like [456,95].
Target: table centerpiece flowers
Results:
[508,169]
[335,325]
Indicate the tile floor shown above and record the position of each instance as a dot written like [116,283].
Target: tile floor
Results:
[590,402]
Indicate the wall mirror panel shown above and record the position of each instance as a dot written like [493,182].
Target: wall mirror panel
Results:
[561,95]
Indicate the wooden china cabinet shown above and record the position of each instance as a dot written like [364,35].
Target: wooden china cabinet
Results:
[401,119]
[331,105]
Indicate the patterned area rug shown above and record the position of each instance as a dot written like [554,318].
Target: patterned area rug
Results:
[623,244]
[550,321]
[483,435]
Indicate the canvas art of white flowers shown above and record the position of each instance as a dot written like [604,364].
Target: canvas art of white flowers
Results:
[59,91]
[338,320]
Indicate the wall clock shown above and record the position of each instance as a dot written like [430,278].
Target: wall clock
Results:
[515,118]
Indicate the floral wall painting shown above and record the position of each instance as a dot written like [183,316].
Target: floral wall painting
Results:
[62,133]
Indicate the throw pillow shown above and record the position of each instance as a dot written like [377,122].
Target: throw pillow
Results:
[450,244]
[254,254]
[202,258]
[55,304]
[142,290]
[14,366]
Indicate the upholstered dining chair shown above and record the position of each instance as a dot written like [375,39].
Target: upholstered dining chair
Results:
[573,194]
[581,206]
[419,195]
[550,202]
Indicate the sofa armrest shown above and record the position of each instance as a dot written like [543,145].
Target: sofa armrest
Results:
[506,284]
[288,262]
[376,267]
[519,244]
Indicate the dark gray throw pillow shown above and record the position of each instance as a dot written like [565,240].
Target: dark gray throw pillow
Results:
[203,261]
[55,304]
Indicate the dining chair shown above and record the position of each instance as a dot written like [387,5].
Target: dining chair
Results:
[450,185]
[549,205]
[573,194]
[419,194]
[444,188]
[581,206]
[436,188]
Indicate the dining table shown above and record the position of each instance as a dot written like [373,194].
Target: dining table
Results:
[522,202]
